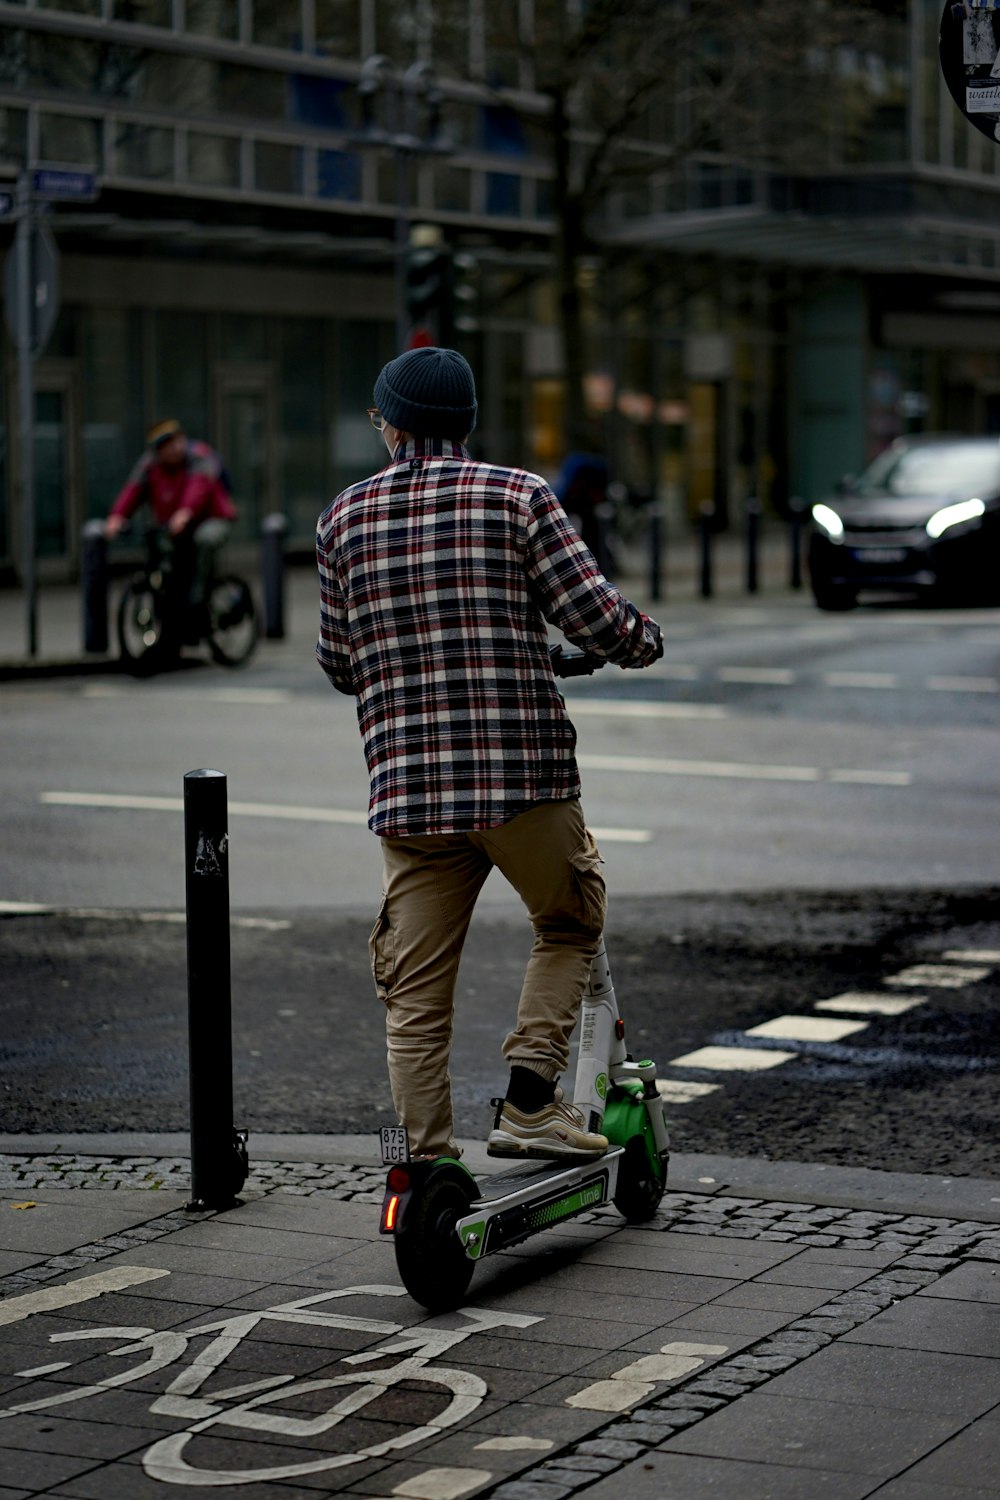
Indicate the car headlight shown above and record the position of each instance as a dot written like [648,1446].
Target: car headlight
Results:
[828,520]
[953,515]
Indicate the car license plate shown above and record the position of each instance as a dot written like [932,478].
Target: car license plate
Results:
[395,1144]
[879,554]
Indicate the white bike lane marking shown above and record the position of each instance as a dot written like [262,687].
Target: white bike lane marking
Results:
[256,1405]
[51,1298]
[635,1381]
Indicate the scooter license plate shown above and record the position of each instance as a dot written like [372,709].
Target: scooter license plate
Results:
[395,1143]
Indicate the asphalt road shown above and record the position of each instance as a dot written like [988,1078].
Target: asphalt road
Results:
[791,806]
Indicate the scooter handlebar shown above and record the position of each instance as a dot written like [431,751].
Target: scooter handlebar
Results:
[569,662]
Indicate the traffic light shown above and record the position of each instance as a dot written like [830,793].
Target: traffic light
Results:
[428,288]
[465,291]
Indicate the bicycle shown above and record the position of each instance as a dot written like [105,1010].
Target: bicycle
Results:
[443,1221]
[268,1404]
[156,619]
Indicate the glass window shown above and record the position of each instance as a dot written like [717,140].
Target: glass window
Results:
[71,139]
[219,18]
[113,427]
[278,23]
[337,28]
[363,347]
[14,134]
[181,380]
[144,151]
[242,339]
[277,168]
[303,423]
[214,160]
[144,12]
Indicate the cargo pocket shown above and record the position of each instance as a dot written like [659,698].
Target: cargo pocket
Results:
[381,952]
[588,883]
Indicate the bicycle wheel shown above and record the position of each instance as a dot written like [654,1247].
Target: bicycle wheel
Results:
[144,637]
[432,1264]
[232,621]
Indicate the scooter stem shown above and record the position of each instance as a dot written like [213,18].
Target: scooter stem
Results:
[602,1045]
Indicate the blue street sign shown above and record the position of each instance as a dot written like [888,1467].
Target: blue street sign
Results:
[63,182]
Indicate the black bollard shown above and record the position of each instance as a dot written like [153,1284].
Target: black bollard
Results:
[753,544]
[796,522]
[655,553]
[94,586]
[706,525]
[273,531]
[218,1151]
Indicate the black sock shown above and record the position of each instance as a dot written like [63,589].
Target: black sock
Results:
[528,1091]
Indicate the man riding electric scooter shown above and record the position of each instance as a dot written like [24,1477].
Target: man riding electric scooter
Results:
[438,576]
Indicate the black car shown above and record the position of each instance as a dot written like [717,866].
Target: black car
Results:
[923,518]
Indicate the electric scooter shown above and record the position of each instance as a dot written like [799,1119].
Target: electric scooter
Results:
[443,1220]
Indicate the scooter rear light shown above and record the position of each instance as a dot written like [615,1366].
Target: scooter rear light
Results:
[398,1180]
[389,1214]
[620,1030]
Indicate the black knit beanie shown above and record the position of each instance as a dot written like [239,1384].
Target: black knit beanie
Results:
[429,392]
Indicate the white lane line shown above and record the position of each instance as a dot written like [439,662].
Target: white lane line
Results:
[127,914]
[115,1279]
[769,676]
[872,778]
[857,1002]
[939,976]
[442,1484]
[677,1091]
[642,708]
[124,802]
[973,955]
[861,679]
[737,771]
[128,802]
[678,671]
[806,1029]
[243,695]
[732,1059]
[622,835]
[963,684]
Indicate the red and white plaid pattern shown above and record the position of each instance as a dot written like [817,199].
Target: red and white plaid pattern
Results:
[437,576]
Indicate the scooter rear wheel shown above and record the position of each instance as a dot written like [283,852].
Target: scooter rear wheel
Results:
[432,1264]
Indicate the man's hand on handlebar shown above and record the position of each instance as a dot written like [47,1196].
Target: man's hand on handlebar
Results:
[114,526]
[569,662]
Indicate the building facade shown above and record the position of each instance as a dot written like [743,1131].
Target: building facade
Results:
[761,314]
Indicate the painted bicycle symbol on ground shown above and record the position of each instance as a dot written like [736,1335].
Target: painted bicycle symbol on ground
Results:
[267,1405]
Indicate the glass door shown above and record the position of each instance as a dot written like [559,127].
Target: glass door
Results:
[58,504]
[245,426]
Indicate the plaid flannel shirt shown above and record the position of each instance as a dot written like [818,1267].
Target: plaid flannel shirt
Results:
[437,576]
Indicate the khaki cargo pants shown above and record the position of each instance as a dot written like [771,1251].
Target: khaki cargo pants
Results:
[431,885]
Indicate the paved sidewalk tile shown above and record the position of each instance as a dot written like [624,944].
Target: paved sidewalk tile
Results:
[678,1476]
[817,1434]
[977,1281]
[900,1379]
[973,1456]
[951,1327]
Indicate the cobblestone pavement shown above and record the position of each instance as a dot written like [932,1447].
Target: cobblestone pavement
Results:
[881,1259]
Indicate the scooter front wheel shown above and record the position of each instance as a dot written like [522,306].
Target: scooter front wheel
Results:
[432,1263]
[640,1186]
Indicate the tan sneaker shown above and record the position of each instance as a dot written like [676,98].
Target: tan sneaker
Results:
[557,1130]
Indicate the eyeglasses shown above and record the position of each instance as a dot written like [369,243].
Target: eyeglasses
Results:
[376,418]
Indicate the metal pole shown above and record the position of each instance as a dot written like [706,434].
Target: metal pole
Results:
[797,514]
[218,1152]
[274,529]
[26,404]
[655,552]
[94,587]
[753,538]
[706,523]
